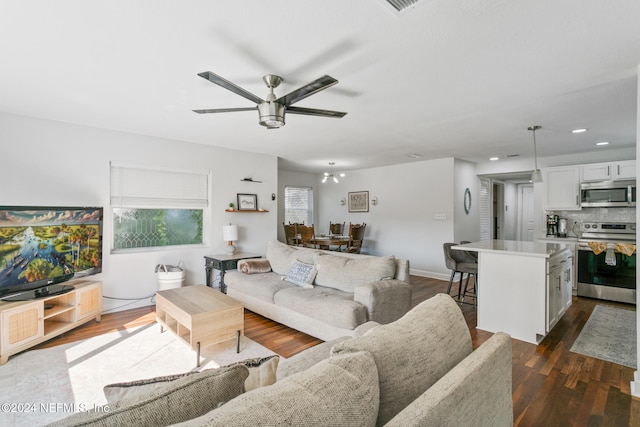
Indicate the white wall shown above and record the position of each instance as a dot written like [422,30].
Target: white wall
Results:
[58,164]
[402,224]
[466,226]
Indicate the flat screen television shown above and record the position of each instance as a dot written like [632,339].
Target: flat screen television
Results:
[43,247]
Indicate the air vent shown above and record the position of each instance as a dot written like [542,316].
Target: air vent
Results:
[401,5]
[512,155]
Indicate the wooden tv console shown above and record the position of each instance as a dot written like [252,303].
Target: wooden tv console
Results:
[25,324]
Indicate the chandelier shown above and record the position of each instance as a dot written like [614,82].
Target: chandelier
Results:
[331,174]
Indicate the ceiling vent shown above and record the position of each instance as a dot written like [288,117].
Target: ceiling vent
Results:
[401,5]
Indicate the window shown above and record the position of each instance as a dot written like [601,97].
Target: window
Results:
[157,208]
[298,204]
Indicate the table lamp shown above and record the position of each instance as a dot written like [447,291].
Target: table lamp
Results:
[229,234]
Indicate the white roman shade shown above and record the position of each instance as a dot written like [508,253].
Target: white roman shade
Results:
[135,186]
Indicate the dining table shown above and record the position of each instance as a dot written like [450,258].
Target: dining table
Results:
[329,240]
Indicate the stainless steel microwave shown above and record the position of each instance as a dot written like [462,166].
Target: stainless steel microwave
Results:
[608,194]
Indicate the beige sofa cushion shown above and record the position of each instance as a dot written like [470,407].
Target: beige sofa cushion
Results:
[346,274]
[340,391]
[476,392]
[183,399]
[281,256]
[328,305]
[415,351]
[262,286]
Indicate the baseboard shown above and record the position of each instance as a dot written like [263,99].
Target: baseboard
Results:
[635,385]
[430,274]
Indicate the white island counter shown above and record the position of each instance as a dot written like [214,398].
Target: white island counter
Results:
[524,288]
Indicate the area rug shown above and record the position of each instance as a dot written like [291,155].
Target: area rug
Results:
[609,334]
[41,386]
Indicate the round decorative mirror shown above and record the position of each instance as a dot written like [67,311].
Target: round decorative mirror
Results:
[467,201]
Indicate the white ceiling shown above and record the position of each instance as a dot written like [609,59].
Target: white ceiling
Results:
[447,78]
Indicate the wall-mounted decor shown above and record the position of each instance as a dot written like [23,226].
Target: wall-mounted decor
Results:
[359,201]
[467,201]
[247,202]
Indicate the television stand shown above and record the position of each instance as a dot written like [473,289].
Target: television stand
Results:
[24,324]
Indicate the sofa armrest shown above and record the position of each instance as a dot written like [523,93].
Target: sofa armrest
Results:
[475,392]
[386,300]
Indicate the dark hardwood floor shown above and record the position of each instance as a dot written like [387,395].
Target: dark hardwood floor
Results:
[551,385]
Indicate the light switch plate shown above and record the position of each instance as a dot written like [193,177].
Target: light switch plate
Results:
[440,216]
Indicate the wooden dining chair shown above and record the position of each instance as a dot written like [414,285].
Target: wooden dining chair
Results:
[307,235]
[356,237]
[336,228]
[290,233]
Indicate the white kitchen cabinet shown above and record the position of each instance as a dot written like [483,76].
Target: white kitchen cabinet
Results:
[561,188]
[610,171]
[558,287]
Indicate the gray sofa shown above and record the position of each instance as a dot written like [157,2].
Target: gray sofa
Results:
[417,371]
[347,290]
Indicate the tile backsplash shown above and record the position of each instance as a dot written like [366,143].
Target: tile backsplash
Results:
[594,215]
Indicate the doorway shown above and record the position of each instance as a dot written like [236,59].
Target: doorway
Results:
[498,210]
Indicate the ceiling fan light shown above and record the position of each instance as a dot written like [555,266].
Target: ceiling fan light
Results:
[271,114]
[335,180]
[325,178]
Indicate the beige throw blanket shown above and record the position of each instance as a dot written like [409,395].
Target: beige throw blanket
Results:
[254,266]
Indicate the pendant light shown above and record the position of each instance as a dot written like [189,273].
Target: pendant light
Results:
[330,174]
[536,175]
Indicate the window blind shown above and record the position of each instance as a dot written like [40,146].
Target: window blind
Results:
[135,186]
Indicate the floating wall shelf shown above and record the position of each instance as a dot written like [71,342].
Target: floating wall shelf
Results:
[246,210]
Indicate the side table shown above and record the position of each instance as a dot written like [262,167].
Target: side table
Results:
[223,263]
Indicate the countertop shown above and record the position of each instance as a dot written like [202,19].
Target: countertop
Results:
[514,247]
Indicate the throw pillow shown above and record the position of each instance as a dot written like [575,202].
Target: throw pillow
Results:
[301,274]
[180,400]
[345,274]
[254,266]
[413,352]
[340,391]
[262,371]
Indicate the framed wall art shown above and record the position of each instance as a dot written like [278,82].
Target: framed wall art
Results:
[247,202]
[359,201]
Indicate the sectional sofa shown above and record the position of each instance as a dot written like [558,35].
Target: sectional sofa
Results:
[417,371]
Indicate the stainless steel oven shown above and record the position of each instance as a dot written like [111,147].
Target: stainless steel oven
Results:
[604,270]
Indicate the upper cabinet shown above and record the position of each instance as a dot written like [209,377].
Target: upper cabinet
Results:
[611,171]
[561,188]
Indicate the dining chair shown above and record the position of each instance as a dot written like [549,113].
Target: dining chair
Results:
[459,262]
[307,235]
[336,228]
[472,257]
[356,237]
[290,233]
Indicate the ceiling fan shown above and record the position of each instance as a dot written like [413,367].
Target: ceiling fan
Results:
[271,110]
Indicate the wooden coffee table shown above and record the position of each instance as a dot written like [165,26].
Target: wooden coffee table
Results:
[200,316]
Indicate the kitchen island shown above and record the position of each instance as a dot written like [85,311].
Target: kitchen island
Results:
[524,288]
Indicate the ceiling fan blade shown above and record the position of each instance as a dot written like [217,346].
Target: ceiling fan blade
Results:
[224,110]
[307,90]
[315,112]
[220,81]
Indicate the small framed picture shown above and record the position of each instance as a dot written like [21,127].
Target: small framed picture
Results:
[247,202]
[359,201]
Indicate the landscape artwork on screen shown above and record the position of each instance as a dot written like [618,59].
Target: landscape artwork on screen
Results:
[45,245]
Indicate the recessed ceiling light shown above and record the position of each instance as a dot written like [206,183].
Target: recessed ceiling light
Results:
[416,156]
[494,158]
[602,143]
[579,130]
